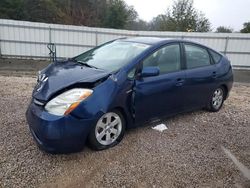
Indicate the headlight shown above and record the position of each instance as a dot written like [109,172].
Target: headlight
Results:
[64,103]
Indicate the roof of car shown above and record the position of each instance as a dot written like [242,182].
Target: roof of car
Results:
[157,40]
[148,40]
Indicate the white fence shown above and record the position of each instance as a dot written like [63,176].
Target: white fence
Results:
[21,39]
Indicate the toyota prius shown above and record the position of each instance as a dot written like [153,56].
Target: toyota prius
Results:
[94,97]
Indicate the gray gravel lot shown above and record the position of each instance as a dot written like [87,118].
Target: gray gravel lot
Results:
[188,154]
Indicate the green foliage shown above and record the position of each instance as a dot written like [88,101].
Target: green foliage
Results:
[246,28]
[40,11]
[12,9]
[181,17]
[99,13]
[223,29]
[117,14]
[138,24]
[160,23]
[104,13]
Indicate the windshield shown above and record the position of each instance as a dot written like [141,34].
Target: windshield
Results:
[112,56]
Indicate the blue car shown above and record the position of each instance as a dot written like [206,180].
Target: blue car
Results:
[94,97]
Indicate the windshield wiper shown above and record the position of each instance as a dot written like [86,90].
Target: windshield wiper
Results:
[83,63]
[86,64]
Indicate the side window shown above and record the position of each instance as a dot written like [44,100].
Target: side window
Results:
[216,57]
[167,59]
[196,56]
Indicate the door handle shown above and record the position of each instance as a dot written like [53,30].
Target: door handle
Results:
[214,75]
[179,82]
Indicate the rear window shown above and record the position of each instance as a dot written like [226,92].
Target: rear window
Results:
[196,56]
[216,57]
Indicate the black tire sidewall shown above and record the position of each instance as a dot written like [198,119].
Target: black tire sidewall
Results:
[94,144]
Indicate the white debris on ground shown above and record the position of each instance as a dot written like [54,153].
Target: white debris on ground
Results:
[161,127]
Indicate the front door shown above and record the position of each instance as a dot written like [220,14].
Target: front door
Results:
[163,94]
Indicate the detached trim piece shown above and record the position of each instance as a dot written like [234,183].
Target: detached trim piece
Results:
[38,102]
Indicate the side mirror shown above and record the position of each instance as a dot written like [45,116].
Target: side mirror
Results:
[150,71]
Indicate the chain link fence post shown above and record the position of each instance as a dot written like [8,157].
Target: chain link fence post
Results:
[226,45]
[96,38]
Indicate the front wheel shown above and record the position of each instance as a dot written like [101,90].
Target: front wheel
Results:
[108,131]
[216,100]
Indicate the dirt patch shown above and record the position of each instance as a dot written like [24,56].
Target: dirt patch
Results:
[187,154]
[20,67]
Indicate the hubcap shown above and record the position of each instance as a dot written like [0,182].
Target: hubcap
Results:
[108,128]
[217,98]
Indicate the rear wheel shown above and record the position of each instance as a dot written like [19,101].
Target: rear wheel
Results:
[108,131]
[216,100]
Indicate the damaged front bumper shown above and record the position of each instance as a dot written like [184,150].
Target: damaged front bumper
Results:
[58,134]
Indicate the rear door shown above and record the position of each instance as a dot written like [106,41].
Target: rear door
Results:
[201,75]
[163,94]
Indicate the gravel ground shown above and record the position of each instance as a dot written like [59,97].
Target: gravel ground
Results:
[188,154]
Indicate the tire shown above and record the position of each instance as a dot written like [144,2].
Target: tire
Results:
[108,131]
[216,100]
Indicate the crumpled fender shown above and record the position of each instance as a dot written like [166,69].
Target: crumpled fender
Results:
[110,94]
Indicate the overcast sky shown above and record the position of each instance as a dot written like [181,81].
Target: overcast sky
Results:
[232,13]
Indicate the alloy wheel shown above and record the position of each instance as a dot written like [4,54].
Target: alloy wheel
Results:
[108,128]
[217,99]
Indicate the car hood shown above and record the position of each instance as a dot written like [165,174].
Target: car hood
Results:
[60,75]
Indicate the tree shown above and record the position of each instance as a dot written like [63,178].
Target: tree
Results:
[118,14]
[223,29]
[246,28]
[12,9]
[81,12]
[160,23]
[202,23]
[182,17]
[96,13]
[138,24]
[41,11]
[104,13]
